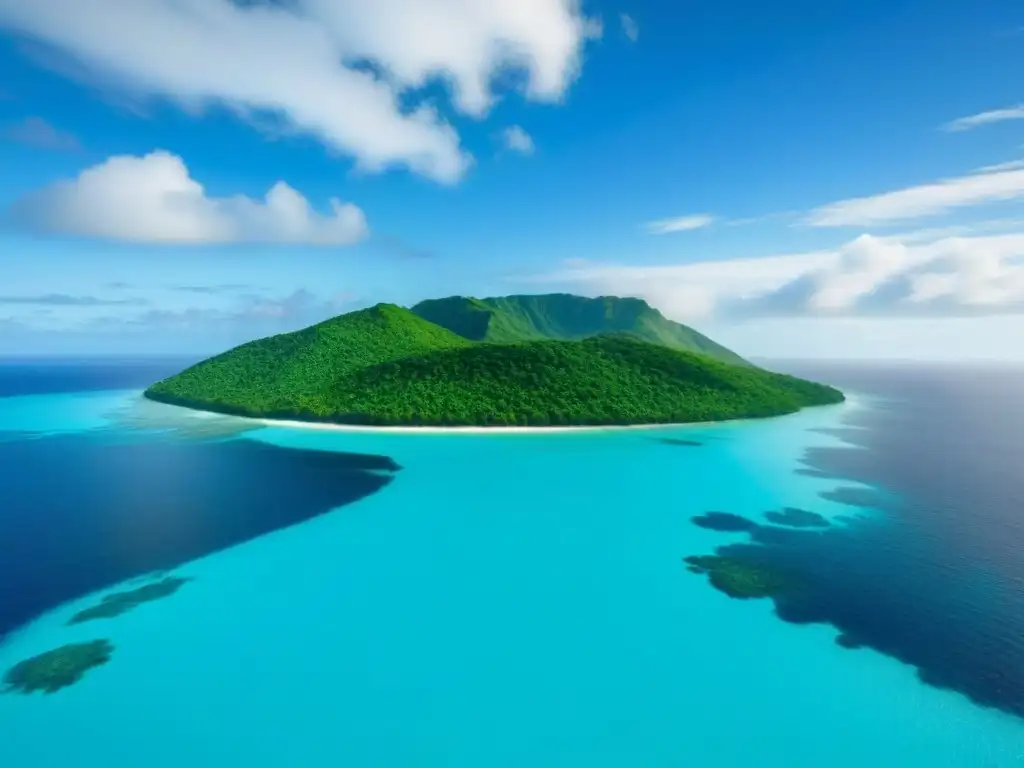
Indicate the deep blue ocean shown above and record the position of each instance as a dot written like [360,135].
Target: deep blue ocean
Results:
[395,600]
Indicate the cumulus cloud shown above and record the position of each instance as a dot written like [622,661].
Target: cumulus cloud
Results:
[679,224]
[987,185]
[36,132]
[985,118]
[153,199]
[868,276]
[629,27]
[299,61]
[517,140]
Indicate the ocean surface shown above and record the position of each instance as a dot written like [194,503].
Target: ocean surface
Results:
[508,600]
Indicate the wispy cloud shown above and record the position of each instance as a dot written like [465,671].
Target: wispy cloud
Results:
[868,276]
[153,199]
[249,317]
[989,185]
[291,59]
[679,223]
[629,27]
[37,132]
[397,246]
[517,140]
[1010,165]
[212,290]
[66,300]
[985,118]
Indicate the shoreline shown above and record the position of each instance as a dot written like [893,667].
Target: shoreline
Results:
[324,426]
[362,428]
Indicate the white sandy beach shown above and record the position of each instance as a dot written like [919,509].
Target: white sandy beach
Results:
[427,430]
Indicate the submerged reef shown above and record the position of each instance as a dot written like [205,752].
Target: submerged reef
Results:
[121,602]
[50,671]
[844,640]
[679,442]
[724,521]
[797,518]
[739,578]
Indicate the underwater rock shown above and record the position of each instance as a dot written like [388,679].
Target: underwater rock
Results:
[844,640]
[50,671]
[723,521]
[797,518]
[121,602]
[738,578]
[679,442]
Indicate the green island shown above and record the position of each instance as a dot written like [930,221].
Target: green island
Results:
[50,671]
[552,360]
[117,603]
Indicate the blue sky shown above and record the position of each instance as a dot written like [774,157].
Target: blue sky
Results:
[809,179]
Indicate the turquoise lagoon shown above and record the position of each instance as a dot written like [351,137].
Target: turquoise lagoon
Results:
[507,600]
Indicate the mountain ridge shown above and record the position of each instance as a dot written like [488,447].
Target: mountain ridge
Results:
[565,317]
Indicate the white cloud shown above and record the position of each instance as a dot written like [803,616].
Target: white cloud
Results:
[288,60]
[985,118]
[153,199]
[629,27]
[868,276]
[986,185]
[517,140]
[1011,165]
[679,224]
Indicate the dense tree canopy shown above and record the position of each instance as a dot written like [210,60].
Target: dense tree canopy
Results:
[389,366]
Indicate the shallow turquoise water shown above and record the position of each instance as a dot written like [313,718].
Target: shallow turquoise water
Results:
[508,600]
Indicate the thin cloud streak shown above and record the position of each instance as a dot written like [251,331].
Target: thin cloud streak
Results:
[978,188]
[66,300]
[985,118]
[679,224]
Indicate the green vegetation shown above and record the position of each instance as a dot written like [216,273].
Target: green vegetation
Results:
[49,672]
[121,602]
[391,366]
[564,317]
[739,578]
[292,373]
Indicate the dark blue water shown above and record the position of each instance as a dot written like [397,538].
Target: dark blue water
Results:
[937,579]
[28,376]
[86,510]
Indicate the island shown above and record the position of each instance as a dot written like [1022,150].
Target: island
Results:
[527,361]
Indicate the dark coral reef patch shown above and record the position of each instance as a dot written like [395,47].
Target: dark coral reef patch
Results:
[50,671]
[796,518]
[121,602]
[726,522]
[739,577]
[679,442]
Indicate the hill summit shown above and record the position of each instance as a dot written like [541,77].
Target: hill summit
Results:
[563,316]
[518,360]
